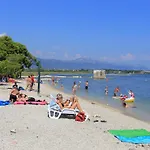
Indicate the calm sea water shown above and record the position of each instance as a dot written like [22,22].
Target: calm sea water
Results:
[139,84]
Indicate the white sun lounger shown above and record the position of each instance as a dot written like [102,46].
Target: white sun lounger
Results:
[54,111]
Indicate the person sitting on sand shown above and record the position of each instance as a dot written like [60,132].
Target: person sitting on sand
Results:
[13,94]
[74,103]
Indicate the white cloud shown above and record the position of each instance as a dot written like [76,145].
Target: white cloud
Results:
[3,34]
[128,56]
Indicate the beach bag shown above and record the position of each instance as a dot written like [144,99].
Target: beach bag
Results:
[80,117]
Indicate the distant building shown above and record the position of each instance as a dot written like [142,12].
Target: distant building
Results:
[99,74]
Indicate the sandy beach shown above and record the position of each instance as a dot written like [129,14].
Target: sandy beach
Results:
[34,130]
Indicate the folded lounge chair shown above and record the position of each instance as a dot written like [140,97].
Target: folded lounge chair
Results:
[55,112]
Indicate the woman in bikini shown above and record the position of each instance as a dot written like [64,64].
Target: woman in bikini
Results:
[71,104]
[22,98]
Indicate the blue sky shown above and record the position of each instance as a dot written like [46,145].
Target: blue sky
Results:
[112,31]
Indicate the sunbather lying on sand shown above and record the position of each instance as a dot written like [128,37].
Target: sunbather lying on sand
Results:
[22,98]
[15,95]
[71,104]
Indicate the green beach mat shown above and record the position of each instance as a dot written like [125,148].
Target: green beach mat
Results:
[130,133]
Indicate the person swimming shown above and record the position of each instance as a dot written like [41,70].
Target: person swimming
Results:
[125,105]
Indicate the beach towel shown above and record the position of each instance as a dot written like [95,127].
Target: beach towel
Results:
[136,136]
[135,140]
[130,133]
[4,103]
[38,102]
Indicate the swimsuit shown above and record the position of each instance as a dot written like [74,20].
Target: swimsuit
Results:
[13,97]
[86,87]
[115,94]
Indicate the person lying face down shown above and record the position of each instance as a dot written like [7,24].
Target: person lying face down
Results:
[71,104]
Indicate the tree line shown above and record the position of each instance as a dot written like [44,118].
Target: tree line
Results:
[14,57]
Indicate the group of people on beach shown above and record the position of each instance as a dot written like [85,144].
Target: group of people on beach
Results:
[123,97]
[75,86]
[117,92]
[16,95]
[7,79]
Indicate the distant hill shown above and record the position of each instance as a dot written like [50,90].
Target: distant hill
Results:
[83,63]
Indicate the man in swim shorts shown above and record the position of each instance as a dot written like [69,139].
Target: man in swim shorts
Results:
[86,85]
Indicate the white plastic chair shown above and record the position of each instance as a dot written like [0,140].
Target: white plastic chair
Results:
[54,111]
